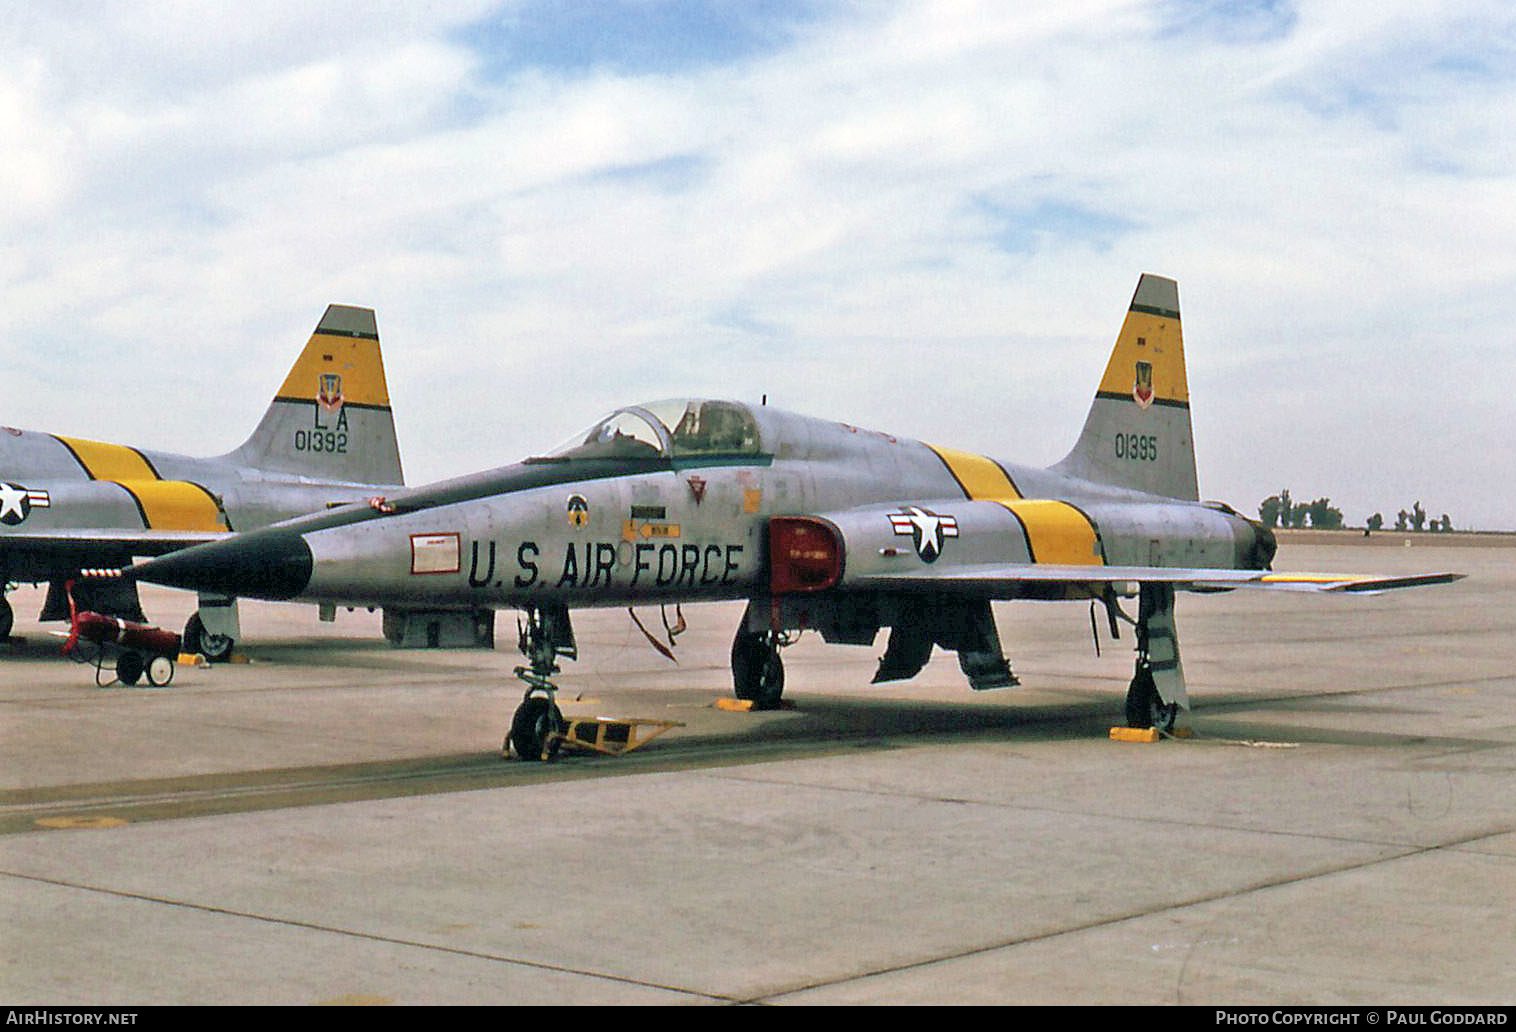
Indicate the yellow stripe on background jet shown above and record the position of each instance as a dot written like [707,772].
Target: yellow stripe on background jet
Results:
[819,525]
[68,505]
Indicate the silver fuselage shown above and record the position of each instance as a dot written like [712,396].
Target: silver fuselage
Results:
[603,532]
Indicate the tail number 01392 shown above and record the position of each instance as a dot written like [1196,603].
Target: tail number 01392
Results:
[1137,447]
[321,441]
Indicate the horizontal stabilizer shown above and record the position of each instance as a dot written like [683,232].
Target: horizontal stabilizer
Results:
[1365,584]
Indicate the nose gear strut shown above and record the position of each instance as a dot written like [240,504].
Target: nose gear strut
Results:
[543,635]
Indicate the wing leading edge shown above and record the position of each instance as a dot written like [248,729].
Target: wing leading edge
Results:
[993,579]
[108,542]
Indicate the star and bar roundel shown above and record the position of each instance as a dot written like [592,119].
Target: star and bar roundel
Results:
[16,503]
[927,530]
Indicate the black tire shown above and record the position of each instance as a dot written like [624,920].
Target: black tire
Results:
[757,671]
[215,647]
[129,667]
[1145,708]
[7,618]
[535,720]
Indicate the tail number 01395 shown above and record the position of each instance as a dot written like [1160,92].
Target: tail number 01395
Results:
[1137,447]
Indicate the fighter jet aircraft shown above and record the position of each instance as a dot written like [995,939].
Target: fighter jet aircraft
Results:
[68,504]
[819,525]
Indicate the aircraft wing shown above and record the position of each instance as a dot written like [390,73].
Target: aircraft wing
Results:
[1015,548]
[990,578]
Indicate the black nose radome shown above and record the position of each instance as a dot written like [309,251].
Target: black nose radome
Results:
[272,564]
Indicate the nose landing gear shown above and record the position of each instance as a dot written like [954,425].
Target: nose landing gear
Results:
[545,633]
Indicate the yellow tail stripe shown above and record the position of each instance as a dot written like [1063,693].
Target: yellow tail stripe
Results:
[174,505]
[1057,532]
[1156,341]
[981,478]
[109,461]
[356,363]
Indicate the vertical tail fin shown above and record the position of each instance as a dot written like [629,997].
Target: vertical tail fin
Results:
[1138,432]
[331,419]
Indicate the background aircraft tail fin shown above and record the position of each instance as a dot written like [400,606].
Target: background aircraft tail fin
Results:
[331,419]
[1138,432]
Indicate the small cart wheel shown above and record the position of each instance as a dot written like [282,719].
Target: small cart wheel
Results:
[160,671]
[129,667]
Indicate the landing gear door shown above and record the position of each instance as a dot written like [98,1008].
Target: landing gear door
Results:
[1159,643]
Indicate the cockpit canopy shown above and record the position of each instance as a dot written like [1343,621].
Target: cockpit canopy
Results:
[677,428]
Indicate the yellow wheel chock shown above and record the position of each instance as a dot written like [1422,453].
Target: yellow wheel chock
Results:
[609,736]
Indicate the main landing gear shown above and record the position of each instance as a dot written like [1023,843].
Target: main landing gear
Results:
[214,628]
[7,617]
[757,671]
[215,647]
[1157,688]
[544,635]
[1144,706]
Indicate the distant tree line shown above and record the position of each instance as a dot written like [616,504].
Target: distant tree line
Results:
[1280,510]
[1415,521]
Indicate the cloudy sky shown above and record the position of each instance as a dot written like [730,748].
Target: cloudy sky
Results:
[924,217]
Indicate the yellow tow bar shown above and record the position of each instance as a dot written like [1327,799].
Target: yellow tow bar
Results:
[609,736]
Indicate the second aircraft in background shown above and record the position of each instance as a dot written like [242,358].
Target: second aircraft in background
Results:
[68,504]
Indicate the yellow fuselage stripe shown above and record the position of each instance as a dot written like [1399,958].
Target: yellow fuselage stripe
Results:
[165,504]
[1056,532]
[982,479]
[110,461]
[174,504]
